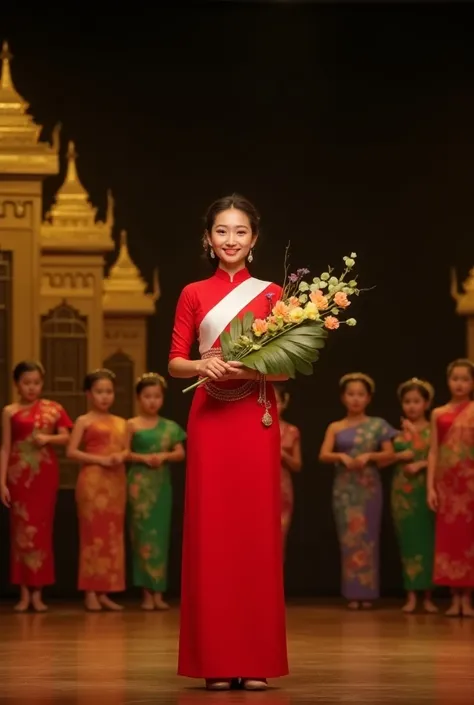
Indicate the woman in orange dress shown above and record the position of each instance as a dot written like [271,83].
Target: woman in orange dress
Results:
[451,488]
[290,461]
[100,493]
[29,481]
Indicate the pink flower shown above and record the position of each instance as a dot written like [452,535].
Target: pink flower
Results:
[259,327]
[316,297]
[331,323]
[341,300]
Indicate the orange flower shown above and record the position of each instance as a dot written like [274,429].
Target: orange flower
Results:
[280,309]
[259,327]
[357,524]
[293,302]
[318,298]
[331,323]
[341,300]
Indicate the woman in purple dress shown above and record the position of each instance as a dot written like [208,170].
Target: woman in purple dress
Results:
[356,445]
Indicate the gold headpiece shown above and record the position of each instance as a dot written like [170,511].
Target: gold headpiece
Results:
[104,369]
[358,377]
[153,375]
[420,383]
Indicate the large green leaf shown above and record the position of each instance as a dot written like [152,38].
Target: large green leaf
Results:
[247,322]
[235,328]
[291,352]
[226,345]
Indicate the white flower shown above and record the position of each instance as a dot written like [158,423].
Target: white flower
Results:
[325,276]
[323,285]
[351,322]
[334,281]
[304,286]
[353,254]
[314,287]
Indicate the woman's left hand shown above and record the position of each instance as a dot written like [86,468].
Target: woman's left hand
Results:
[238,371]
[362,460]
[40,439]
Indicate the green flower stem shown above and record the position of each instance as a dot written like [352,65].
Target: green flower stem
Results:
[196,384]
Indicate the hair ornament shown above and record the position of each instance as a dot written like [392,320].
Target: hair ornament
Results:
[104,370]
[420,383]
[155,376]
[358,377]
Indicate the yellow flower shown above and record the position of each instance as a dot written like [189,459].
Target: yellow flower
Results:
[311,311]
[296,315]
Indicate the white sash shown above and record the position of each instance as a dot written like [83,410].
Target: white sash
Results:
[218,318]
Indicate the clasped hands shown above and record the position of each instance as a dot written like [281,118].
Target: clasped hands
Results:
[357,463]
[221,371]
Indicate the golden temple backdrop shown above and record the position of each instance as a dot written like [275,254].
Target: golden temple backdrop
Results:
[56,304]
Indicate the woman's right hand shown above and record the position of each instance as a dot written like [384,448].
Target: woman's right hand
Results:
[347,461]
[5,496]
[432,499]
[213,367]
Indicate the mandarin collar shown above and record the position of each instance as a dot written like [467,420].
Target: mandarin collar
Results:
[238,277]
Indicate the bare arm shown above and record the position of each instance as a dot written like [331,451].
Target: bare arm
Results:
[61,438]
[6,446]
[292,458]
[73,451]
[327,454]
[174,456]
[385,456]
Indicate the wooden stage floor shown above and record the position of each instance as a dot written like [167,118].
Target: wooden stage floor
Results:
[69,657]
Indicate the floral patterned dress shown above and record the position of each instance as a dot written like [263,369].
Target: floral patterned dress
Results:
[33,481]
[454,543]
[289,436]
[414,520]
[149,505]
[101,499]
[357,504]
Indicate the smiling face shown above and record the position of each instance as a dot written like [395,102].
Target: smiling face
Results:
[231,238]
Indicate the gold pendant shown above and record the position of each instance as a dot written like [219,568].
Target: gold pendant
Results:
[267,419]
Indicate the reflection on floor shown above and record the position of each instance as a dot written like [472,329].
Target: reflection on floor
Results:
[69,657]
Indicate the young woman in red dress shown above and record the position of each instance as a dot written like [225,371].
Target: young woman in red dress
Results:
[451,488]
[29,481]
[232,598]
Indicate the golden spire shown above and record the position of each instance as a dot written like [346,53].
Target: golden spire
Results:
[21,152]
[10,99]
[124,288]
[71,222]
[72,189]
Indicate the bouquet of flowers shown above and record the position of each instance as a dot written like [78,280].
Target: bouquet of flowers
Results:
[288,340]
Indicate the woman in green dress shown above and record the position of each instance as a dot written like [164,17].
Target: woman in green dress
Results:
[414,520]
[155,443]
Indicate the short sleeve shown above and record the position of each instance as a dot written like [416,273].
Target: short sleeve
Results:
[386,432]
[178,434]
[183,334]
[63,420]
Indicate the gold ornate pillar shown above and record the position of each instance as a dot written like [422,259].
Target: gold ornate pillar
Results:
[24,162]
[465,306]
[126,308]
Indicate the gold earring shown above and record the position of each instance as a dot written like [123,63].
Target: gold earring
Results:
[212,253]
[250,257]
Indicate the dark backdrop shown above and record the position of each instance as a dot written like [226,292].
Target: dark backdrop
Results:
[351,129]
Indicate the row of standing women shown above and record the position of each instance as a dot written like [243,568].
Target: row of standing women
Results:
[432,489]
[101,442]
[232,599]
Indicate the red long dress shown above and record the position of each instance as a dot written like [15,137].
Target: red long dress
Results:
[454,547]
[33,481]
[232,597]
